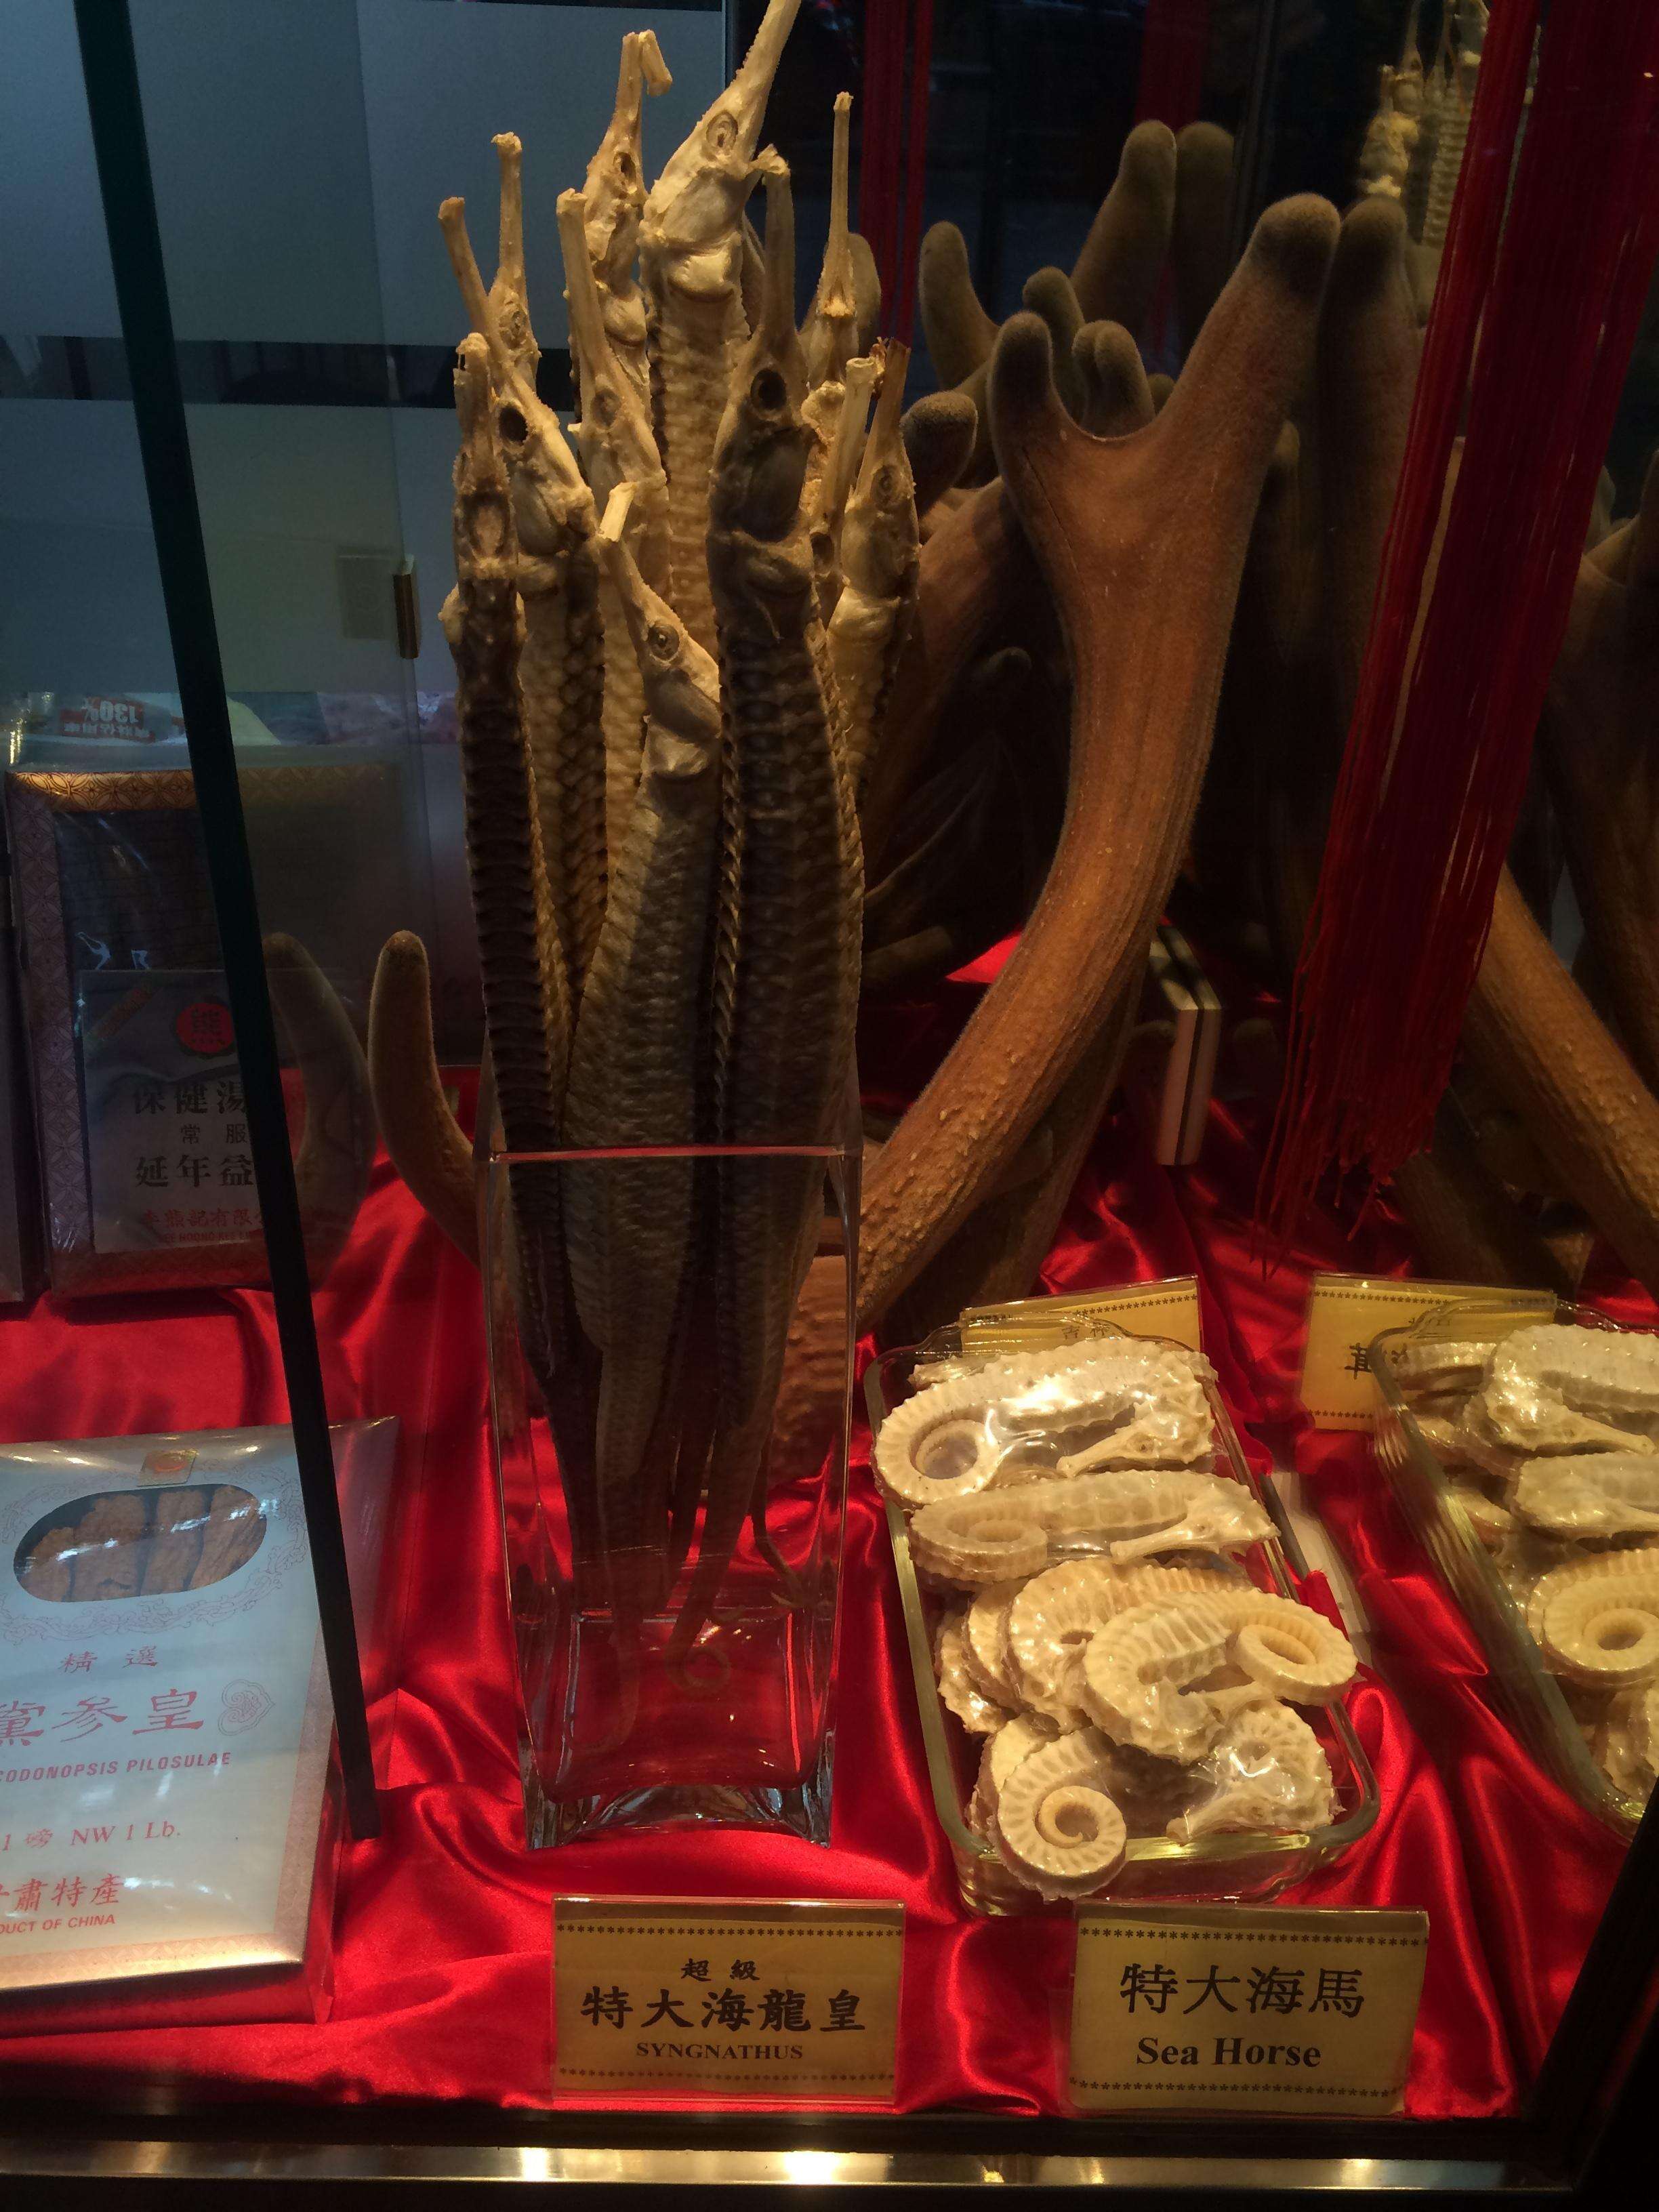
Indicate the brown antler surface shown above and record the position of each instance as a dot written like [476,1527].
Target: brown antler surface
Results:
[1594,1121]
[973,571]
[1600,736]
[427,1145]
[960,334]
[1142,540]
[1116,275]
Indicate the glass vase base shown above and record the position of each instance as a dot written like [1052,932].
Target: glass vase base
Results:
[800,1809]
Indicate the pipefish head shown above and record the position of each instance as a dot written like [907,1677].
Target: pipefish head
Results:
[681,683]
[618,441]
[761,454]
[830,332]
[613,189]
[484,545]
[690,231]
[880,538]
[550,500]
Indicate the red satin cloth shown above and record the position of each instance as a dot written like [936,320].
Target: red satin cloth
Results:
[442,1964]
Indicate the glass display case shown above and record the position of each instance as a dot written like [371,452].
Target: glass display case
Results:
[828,1096]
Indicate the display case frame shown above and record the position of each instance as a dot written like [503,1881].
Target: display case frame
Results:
[59,2145]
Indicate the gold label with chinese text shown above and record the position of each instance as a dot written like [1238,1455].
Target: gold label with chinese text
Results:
[1346,1312]
[1168,1309]
[705,1996]
[1229,2008]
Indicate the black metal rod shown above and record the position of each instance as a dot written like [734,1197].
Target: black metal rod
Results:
[111,68]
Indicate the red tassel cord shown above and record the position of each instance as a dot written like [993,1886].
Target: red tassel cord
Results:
[915,169]
[1174,46]
[1439,749]
[884,26]
[893,160]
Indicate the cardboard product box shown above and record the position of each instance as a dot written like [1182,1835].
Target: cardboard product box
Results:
[168,1822]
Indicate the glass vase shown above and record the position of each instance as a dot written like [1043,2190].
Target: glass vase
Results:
[670,1440]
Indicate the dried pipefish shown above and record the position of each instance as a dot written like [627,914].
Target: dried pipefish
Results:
[829,336]
[690,254]
[527,1006]
[879,564]
[562,667]
[613,196]
[633,1073]
[618,446]
[801,889]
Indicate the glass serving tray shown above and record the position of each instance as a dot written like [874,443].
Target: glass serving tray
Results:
[1531,1697]
[1228,1868]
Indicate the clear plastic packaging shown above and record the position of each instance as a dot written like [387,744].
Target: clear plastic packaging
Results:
[1525,1463]
[1207,1827]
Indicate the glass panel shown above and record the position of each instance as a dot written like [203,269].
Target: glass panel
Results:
[166,1794]
[1118,713]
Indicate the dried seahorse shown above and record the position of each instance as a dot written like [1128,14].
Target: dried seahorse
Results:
[1560,1388]
[985,1651]
[633,1073]
[1270,1771]
[829,336]
[979,1715]
[1597,1621]
[1132,1511]
[957,1438]
[1056,1613]
[1609,1494]
[618,446]
[613,196]
[1136,1670]
[879,566]
[788,1048]
[561,666]
[1057,1827]
[690,255]
[527,1003]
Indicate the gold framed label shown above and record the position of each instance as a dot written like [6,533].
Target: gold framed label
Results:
[722,1997]
[1168,1309]
[1345,1312]
[1221,2007]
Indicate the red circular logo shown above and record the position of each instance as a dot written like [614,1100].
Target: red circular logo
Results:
[204,1028]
